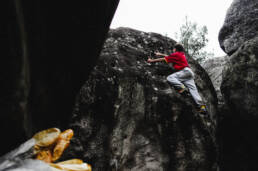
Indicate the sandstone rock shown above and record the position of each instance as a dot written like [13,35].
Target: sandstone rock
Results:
[71,165]
[237,123]
[129,118]
[239,26]
[47,137]
[48,51]
[51,143]
[240,82]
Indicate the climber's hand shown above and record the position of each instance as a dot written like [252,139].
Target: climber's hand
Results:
[149,60]
[158,54]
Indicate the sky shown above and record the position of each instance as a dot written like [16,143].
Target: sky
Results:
[166,16]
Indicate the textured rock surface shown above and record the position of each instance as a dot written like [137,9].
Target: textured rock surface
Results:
[129,118]
[48,50]
[240,25]
[214,67]
[237,123]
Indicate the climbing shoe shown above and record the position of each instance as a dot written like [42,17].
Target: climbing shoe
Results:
[202,110]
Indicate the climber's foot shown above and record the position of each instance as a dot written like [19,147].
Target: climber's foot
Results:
[202,110]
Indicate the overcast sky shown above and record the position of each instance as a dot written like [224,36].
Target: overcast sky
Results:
[166,17]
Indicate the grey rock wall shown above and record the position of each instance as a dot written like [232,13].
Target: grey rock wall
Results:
[240,25]
[48,50]
[237,126]
[127,116]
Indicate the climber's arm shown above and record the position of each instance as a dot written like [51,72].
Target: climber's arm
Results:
[160,54]
[156,60]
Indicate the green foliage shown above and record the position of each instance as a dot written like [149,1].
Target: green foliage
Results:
[194,39]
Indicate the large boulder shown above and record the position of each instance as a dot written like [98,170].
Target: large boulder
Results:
[127,117]
[239,26]
[237,126]
[48,50]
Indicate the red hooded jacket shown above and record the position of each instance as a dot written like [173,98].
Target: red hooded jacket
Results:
[178,59]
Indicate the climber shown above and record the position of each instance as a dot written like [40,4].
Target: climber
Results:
[184,77]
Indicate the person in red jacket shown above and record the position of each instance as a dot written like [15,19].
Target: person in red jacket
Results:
[184,77]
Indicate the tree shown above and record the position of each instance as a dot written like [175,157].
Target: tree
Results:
[194,39]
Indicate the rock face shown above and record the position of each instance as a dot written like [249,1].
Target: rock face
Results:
[240,25]
[238,122]
[214,67]
[48,51]
[129,118]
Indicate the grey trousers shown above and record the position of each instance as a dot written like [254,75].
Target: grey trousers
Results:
[185,78]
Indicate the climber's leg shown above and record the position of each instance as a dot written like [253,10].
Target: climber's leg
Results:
[190,84]
[193,91]
[174,80]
